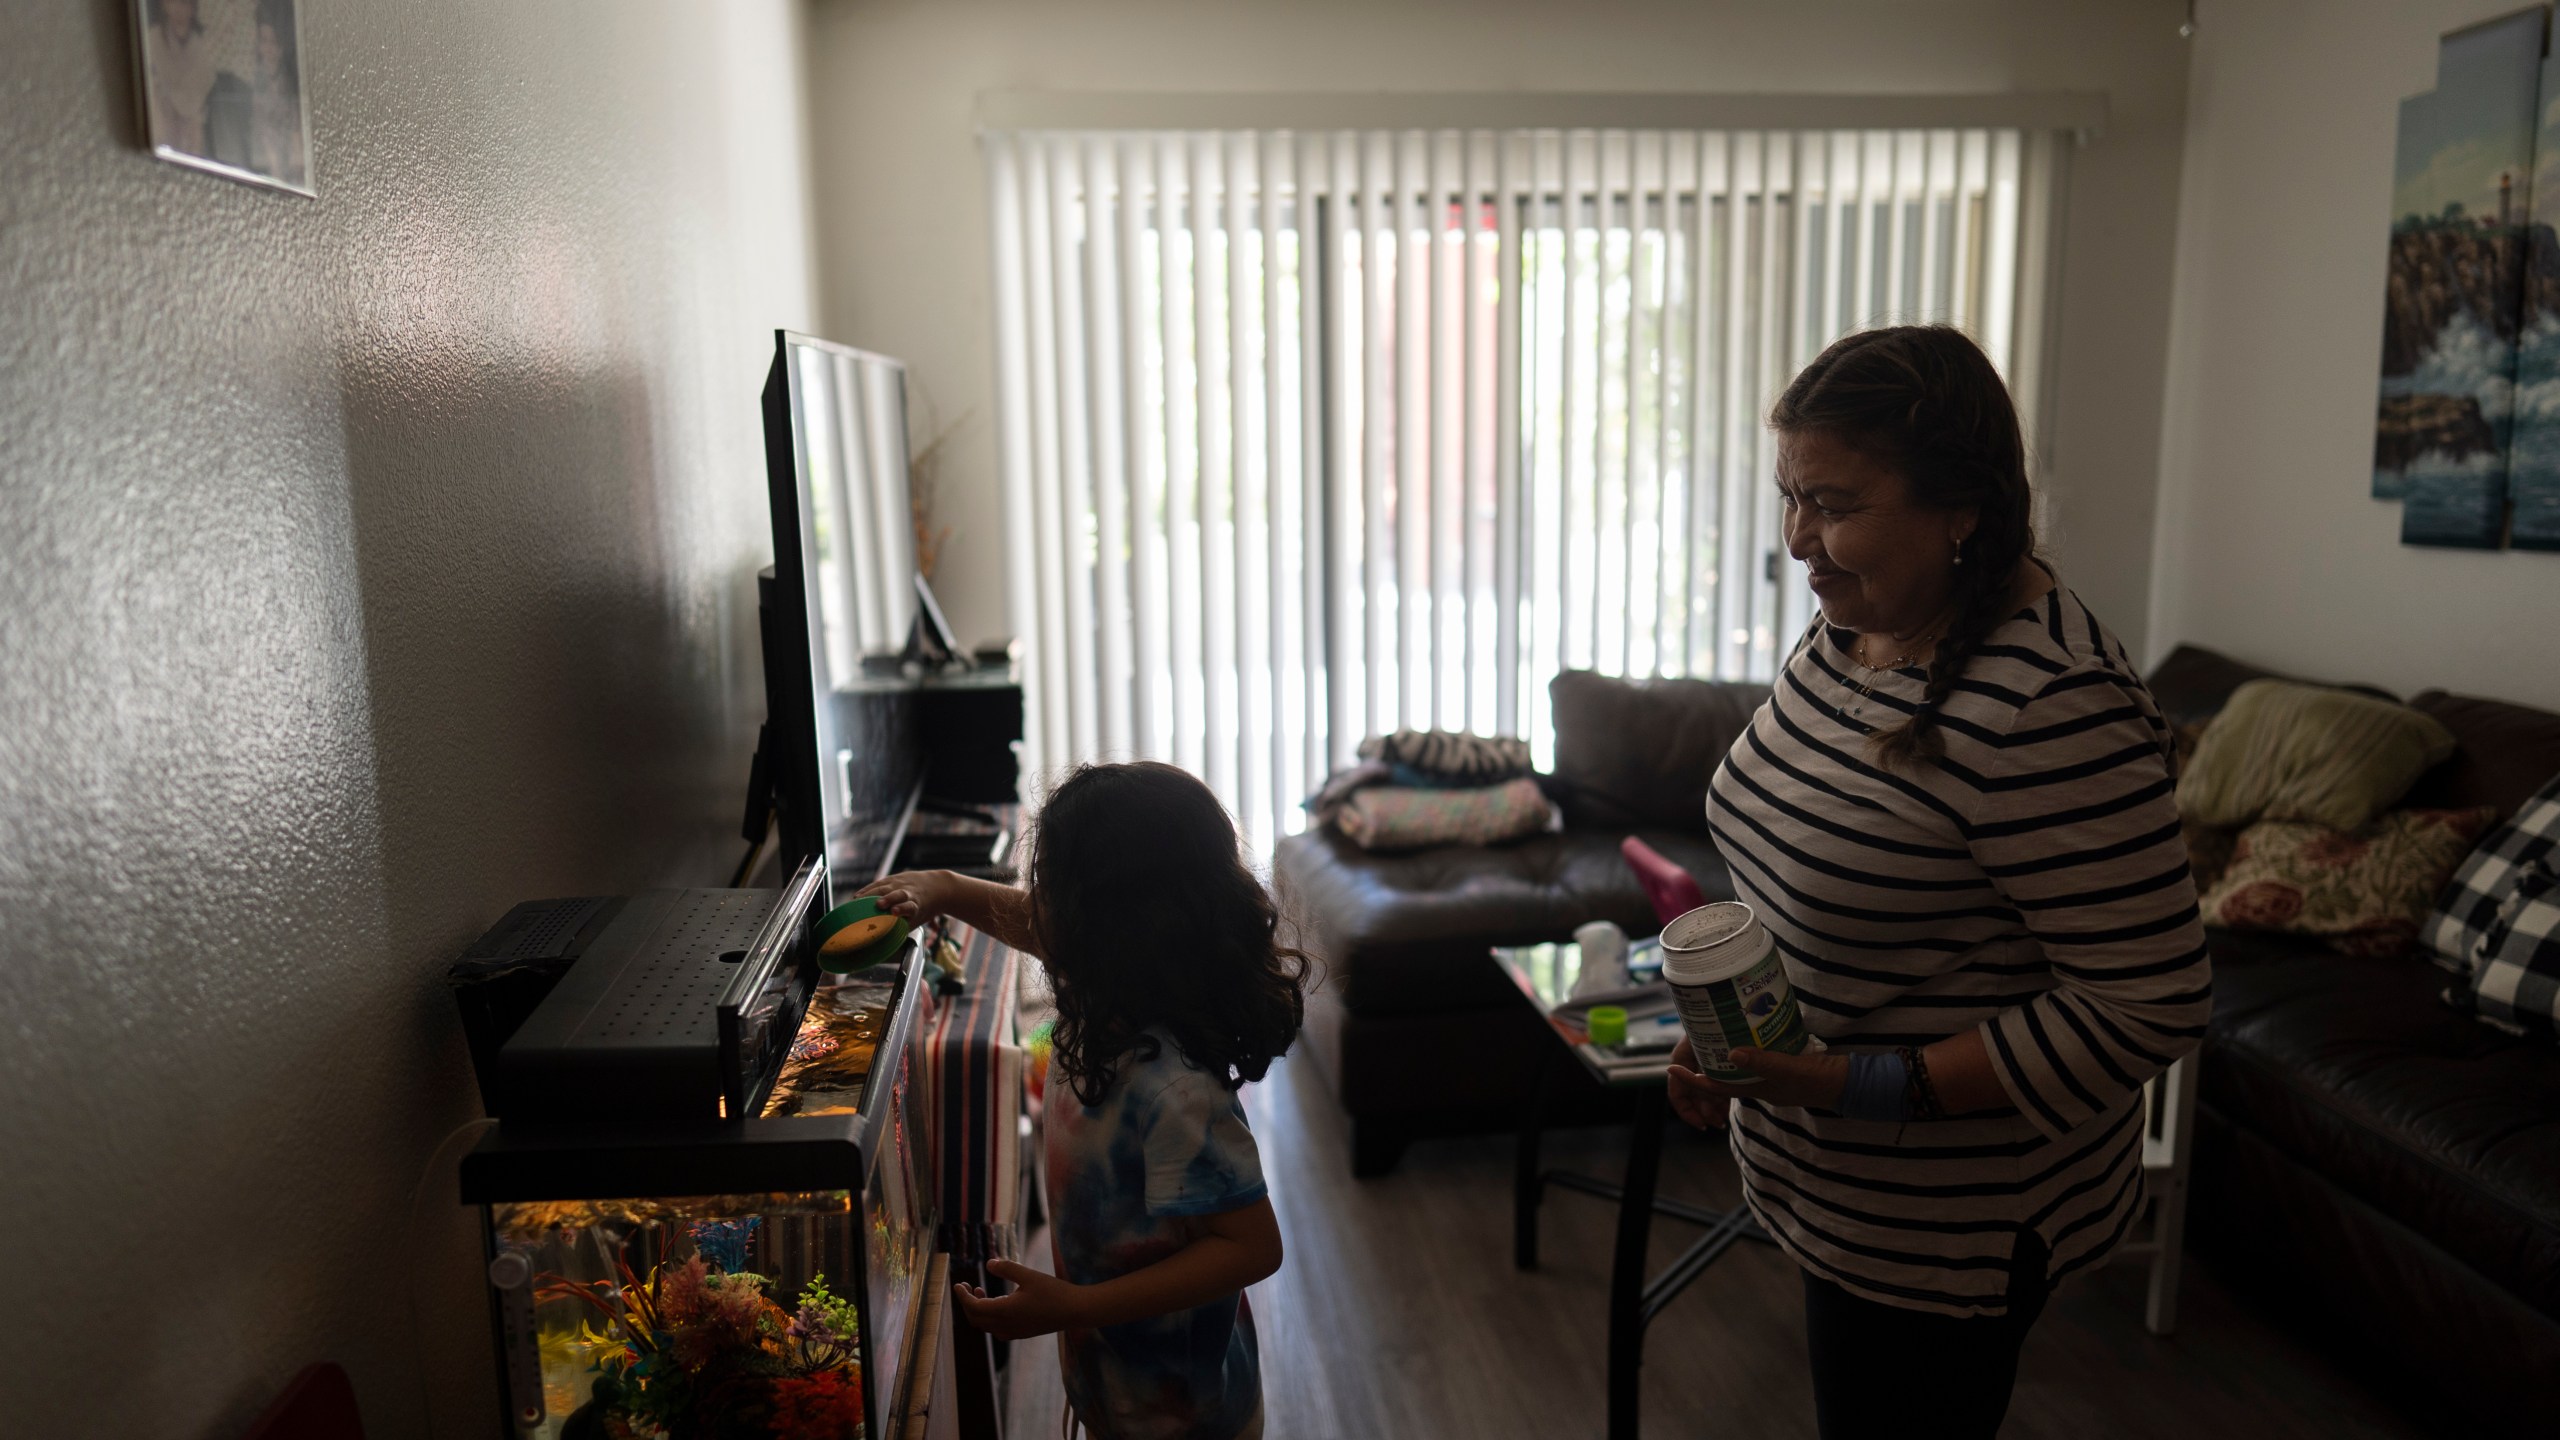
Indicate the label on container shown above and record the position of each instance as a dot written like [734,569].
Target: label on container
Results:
[1756,1008]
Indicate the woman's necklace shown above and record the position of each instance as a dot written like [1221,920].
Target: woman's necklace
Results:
[1863,687]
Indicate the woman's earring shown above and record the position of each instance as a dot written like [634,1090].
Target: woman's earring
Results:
[1959,552]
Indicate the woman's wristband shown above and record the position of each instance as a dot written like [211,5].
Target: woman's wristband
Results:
[1878,1087]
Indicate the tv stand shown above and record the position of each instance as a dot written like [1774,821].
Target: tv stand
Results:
[969,721]
[896,738]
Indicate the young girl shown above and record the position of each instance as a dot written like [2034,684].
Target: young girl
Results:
[1172,991]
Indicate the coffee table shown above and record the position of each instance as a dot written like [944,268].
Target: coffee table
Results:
[1545,974]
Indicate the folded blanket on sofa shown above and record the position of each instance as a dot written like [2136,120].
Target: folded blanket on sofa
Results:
[1451,756]
[1395,817]
[1337,791]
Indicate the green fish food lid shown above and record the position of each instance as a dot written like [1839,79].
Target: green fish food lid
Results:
[858,934]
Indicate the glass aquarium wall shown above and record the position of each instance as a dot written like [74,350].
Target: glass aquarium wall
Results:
[830,1071]
[710,1316]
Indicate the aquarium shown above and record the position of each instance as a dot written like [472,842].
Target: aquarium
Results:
[751,1278]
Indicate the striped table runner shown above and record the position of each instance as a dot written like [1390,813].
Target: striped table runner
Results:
[975,1068]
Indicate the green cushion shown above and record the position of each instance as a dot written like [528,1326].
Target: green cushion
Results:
[2283,751]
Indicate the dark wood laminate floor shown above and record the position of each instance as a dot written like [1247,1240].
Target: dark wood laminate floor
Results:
[1398,1314]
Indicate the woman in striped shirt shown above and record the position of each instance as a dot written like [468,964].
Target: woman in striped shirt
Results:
[1955,816]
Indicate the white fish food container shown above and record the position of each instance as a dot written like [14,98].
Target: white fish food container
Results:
[1725,975]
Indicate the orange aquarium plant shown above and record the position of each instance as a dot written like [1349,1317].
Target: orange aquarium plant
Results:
[699,1353]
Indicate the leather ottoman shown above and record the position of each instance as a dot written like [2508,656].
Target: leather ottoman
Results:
[1413,1026]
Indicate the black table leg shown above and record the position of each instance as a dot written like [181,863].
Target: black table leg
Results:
[1626,1270]
[1528,1187]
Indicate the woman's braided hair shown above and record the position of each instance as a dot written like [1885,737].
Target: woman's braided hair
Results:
[1925,401]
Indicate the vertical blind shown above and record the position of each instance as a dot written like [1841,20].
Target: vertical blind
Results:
[1312,436]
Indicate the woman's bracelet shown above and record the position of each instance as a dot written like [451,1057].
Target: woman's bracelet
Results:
[1877,1088]
[1920,1096]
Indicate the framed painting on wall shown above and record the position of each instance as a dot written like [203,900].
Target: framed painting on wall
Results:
[221,88]
[2533,459]
[2462,187]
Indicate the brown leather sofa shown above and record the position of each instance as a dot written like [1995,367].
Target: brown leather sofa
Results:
[2368,1160]
[1411,1024]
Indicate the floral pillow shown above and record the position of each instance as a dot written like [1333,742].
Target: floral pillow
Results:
[2365,892]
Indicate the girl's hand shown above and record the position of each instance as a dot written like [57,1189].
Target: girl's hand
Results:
[918,895]
[984,906]
[1815,1080]
[1040,1302]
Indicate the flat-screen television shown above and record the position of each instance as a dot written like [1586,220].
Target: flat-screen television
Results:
[841,751]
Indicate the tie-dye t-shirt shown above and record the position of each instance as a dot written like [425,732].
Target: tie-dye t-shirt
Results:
[1127,1177]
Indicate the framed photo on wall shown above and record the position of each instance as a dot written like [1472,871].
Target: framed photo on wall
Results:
[221,87]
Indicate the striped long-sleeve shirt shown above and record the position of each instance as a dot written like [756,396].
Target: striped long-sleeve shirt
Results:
[2030,884]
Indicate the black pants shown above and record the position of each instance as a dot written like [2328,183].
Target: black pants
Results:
[1881,1372]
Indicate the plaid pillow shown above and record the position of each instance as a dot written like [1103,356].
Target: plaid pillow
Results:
[2470,904]
[2518,984]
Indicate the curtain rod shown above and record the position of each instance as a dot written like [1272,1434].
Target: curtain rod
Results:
[2082,112]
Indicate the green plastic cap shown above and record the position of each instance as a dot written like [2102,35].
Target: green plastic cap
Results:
[845,962]
[861,908]
[1608,1024]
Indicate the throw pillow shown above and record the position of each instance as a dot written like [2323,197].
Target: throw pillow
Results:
[1394,817]
[2283,751]
[2518,984]
[2470,904]
[2364,892]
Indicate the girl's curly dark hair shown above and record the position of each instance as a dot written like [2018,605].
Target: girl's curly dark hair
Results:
[1143,905]
[1925,400]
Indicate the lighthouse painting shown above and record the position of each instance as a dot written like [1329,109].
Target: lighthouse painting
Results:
[2455,307]
[2533,456]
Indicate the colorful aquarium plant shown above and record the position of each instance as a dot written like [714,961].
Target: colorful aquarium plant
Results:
[702,1353]
[1042,1044]
[724,1242]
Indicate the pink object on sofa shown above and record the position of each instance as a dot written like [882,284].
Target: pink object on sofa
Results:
[1672,890]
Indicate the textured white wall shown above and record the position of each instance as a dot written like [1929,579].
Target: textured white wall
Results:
[901,196]
[366,565]
[2270,546]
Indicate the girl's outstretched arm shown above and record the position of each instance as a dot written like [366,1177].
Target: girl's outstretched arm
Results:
[999,910]
[1229,1252]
